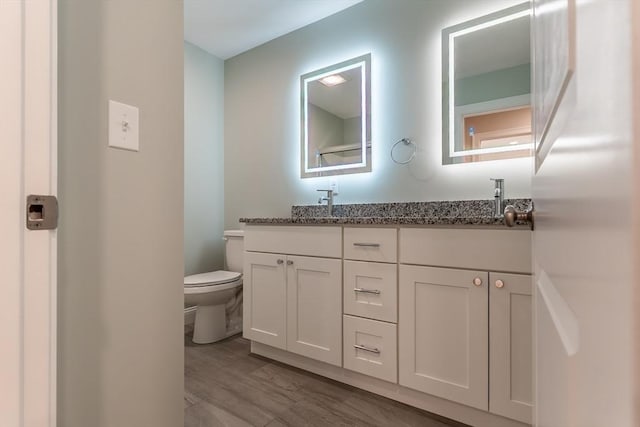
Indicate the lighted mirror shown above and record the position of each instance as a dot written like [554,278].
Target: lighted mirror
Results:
[336,119]
[486,72]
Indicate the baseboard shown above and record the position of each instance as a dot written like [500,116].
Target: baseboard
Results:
[189,315]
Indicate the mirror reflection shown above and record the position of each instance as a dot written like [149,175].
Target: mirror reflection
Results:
[336,119]
[487,88]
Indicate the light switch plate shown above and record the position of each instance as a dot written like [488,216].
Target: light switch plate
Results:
[333,185]
[123,126]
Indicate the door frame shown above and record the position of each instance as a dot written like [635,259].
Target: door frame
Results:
[28,298]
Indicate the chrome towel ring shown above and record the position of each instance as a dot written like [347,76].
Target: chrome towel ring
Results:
[405,141]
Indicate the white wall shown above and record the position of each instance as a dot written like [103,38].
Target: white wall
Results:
[262,101]
[203,161]
[120,270]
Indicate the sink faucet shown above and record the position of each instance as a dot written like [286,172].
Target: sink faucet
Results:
[329,200]
[498,197]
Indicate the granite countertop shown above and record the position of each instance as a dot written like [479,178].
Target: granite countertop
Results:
[446,213]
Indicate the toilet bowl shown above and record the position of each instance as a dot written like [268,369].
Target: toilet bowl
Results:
[214,293]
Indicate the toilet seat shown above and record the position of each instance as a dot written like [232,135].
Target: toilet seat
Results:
[214,280]
[218,277]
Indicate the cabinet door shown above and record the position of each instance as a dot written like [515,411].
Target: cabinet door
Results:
[443,333]
[314,308]
[264,293]
[510,346]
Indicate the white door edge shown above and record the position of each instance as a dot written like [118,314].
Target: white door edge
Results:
[563,318]
[40,177]
[28,165]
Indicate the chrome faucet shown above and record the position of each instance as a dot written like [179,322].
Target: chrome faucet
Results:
[329,200]
[498,197]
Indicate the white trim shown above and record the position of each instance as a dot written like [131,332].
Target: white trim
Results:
[11,214]
[53,366]
[28,303]
[39,144]
[495,105]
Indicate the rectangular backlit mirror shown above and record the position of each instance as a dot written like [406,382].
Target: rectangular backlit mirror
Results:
[336,119]
[486,73]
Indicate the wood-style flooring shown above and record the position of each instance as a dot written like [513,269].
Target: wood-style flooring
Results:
[227,386]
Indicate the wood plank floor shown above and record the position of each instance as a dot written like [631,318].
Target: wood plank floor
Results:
[227,386]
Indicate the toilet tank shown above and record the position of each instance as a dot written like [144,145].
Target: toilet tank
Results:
[234,249]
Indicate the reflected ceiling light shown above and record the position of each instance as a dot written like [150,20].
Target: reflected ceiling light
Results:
[333,80]
[514,142]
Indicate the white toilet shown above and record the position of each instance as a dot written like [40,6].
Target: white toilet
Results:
[217,293]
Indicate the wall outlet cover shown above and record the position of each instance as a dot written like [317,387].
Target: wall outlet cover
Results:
[333,185]
[123,126]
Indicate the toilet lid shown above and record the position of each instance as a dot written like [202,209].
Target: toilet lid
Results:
[212,278]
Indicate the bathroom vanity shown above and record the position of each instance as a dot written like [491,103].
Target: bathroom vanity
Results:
[432,309]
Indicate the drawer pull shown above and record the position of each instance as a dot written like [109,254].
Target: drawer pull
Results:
[367,291]
[365,348]
[280,261]
[367,245]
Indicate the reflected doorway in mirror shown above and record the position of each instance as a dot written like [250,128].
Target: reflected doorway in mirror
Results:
[486,89]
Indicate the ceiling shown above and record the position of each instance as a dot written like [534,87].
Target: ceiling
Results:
[226,28]
[343,100]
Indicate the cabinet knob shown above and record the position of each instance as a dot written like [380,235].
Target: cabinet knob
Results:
[280,261]
[477,281]
[511,216]
[499,284]
[289,262]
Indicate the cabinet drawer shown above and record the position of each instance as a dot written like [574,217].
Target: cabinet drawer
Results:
[370,347]
[371,244]
[498,250]
[371,290]
[295,240]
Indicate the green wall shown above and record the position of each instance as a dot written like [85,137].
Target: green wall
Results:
[203,161]
[498,84]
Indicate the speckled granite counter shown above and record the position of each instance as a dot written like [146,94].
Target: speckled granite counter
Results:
[451,213]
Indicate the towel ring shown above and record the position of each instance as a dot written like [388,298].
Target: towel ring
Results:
[405,141]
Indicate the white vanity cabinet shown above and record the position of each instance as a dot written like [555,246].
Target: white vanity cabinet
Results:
[510,346]
[371,290]
[371,301]
[371,244]
[294,302]
[444,333]
[370,347]
[455,322]
[264,299]
[438,318]
[314,309]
